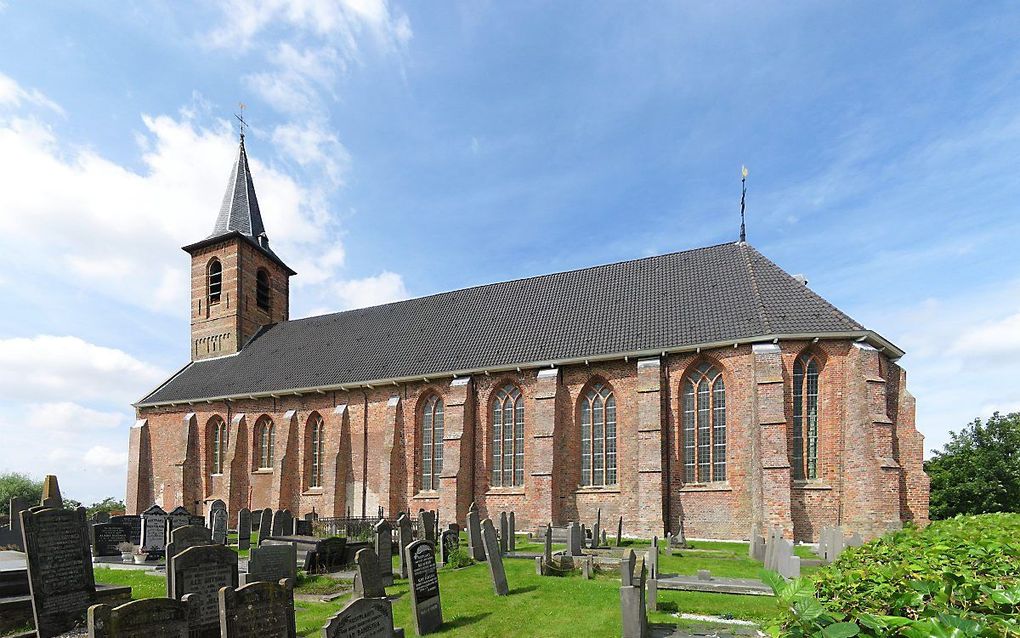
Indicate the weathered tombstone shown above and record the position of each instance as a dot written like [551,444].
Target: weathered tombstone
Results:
[704,574]
[149,617]
[655,544]
[547,555]
[219,526]
[181,539]
[789,566]
[132,527]
[605,543]
[653,562]
[196,520]
[651,594]
[217,504]
[178,517]
[627,564]
[596,528]
[278,528]
[427,525]
[154,529]
[513,531]
[495,558]
[102,517]
[272,563]
[362,618]
[475,534]
[504,532]
[619,532]
[573,539]
[584,536]
[757,548]
[384,550]
[681,534]
[244,529]
[202,571]
[261,609]
[12,536]
[367,583]
[106,537]
[265,524]
[426,608]
[855,540]
[302,527]
[328,555]
[51,493]
[404,538]
[632,598]
[449,542]
[60,577]
[586,567]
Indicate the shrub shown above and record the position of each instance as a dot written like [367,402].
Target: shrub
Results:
[459,558]
[959,577]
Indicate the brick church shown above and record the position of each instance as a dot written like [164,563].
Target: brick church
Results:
[707,386]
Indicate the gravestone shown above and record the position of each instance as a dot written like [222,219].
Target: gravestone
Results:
[244,529]
[11,536]
[427,525]
[51,493]
[363,618]
[258,610]
[59,559]
[504,532]
[278,527]
[178,517]
[106,537]
[619,532]
[681,535]
[605,543]
[855,540]
[367,583]
[218,504]
[328,555]
[146,618]
[384,550]
[627,565]
[587,564]
[404,539]
[513,531]
[265,524]
[474,528]
[202,571]
[132,527]
[704,575]
[573,539]
[302,527]
[181,539]
[547,557]
[651,594]
[584,536]
[196,520]
[493,551]
[272,563]
[101,517]
[449,542]
[633,608]
[219,526]
[426,608]
[652,560]
[154,529]
[596,529]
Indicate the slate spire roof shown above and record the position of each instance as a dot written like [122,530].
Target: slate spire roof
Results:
[701,298]
[240,208]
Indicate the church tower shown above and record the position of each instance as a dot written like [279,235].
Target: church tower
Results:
[238,284]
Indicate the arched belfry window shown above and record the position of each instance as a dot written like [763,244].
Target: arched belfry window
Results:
[805,418]
[317,449]
[508,438]
[598,436]
[431,443]
[215,281]
[218,430]
[703,407]
[265,442]
[262,297]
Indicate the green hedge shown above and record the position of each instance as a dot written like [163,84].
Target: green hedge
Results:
[958,577]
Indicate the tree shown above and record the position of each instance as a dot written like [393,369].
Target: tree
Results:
[978,471]
[13,484]
[107,505]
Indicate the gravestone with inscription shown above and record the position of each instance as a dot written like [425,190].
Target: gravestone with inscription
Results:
[367,583]
[404,538]
[146,618]
[215,506]
[426,608]
[59,561]
[202,571]
[181,539]
[494,552]
[272,562]
[547,556]
[219,526]
[363,618]
[178,517]
[474,527]
[504,532]
[244,529]
[383,543]
[132,527]
[573,539]
[427,525]
[302,527]
[154,530]
[265,524]
[513,531]
[106,537]
[258,610]
[449,542]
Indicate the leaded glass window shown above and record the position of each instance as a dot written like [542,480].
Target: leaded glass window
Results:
[805,418]
[219,444]
[598,436]
[266,443]
[431,443]
[703,425]
[508,438]
[318,444]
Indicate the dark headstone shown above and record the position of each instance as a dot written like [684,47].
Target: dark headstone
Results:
[302,527]
[265,524]
[449,542]
[132,527]
[272,562]
[574,539]
[362,618]
[198,521]
[280,526]
[258,610]
[427,525]
[154,529]
[106,537]
[513,531]
[202,571]
[178,517]
[181,539]
[328,555]
[367,582]
[596,529]
[619,532]
[216,505]
[495,558]
[404,538]
[146,618]
[504,532]
[474,526]
[426,609]
[547,556]
[219,526]
[244,529]
[59,561]
[384,551]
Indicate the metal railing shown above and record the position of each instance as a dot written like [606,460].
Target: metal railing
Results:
[353,527]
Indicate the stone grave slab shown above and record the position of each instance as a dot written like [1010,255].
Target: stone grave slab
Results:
[474,527]
[181,539]
[449,542]
[214,507]
[202,571]
[146,618]
[132,527]
[219,526]
[383,545]
[106,537]
[244,529]
[427,610]
[367,582]
[154,530]
[272,563]
[258,610]
[404,538]
[495,559]
[504,532]
[363,618]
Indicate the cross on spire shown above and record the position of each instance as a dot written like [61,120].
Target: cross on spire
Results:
[743,194]
[240,118]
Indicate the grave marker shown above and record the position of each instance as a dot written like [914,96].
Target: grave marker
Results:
[146,618]
[178,517]
[362,618]
[181,539]
[219,526]
[132,527]
[404,539]
[217,504]
[504,532]
[154,529]
[278,528]
[513,531]
[475,534]
[573,539]
[493,552]
[244,529]
[106,537]
[272,563]
[427,525]
[427,610]
[384,550]
[449,542]
[328,555]
[302,527]
[258,610]
[202,571]
[547,556]
[51,493]
[265,524]
[596,528]
[367,583]
[619,532]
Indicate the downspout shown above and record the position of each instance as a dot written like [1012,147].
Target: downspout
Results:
[667,448]
[364,455]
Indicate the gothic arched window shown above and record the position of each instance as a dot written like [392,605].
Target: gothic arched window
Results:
[598,436]
[316,450]
[805,418]
[218,430]
[703,405]
[215,281]
[262,297]
[508,438]
[431,443]
[265,442]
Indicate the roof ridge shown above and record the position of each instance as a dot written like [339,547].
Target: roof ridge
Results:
[766,328]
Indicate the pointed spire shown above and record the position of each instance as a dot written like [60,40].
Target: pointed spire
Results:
[240,209]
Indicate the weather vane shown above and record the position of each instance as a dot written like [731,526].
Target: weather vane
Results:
[743,193]
[240,118]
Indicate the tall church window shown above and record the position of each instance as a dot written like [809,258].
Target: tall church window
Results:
[215,281]
[805,418]
[218,429]
[316,450]
[431,443]
[508,438]
[703,412]
[265,442]
[262,289]
[598,436]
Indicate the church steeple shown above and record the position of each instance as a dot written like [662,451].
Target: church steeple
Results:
[240,208]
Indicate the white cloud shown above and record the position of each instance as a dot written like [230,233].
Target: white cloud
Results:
[97,457]
[997,340]
[371,291]
[102,457]
[12,94]
[311,144]
[49,368]
[68,416]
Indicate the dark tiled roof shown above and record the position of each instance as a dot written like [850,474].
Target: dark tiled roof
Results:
[708,295]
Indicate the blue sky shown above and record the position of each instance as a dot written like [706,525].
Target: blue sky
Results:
[404,149]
